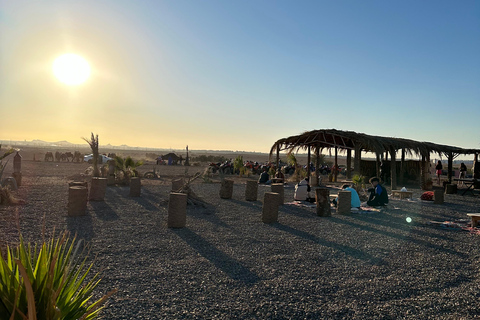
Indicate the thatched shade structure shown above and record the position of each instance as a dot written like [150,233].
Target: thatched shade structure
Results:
[349,140]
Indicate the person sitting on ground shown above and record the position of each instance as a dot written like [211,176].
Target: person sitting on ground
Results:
[279,176]
[303,191]
[355,202]
[378,194]
[264,177]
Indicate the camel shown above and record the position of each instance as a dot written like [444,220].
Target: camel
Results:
[68,155]
[49,156]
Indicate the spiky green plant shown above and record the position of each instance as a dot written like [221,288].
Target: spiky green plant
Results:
[292,160]
[93,142]
[238,163]
[49,282]
[127,166]
[359,181]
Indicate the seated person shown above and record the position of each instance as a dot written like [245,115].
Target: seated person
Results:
[378,194]
[303,192]
[355,203]
[279,176]
[264,177]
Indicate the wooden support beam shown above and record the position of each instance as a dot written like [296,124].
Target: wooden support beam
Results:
[336,165]
[393,168]
[308,163]
[450,167]
[377,172]
[349,164]
[317,165]
[402,167]
[277,162]
[357,159]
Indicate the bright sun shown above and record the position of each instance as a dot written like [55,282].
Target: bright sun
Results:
[71,69]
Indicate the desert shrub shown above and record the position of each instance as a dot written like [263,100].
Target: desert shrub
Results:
[7,198]
[238,164]
[48,282]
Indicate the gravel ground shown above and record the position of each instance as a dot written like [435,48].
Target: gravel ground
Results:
[227,264]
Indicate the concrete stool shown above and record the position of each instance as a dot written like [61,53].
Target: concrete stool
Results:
[98,189]
[177,185]
[438,197]
[77,201]
[279,188]
[322,197]
[177,210]
[270,207]
[226,189]
[251,190]
[135,187]
[344,202]
[78,184]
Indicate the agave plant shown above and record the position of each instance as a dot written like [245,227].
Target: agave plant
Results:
[48,282]
[128,167]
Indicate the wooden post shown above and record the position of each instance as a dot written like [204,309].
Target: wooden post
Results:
[357,159]
[277,162]
[336,165]
[322,197]
[377,172]
[349,164]
[270,207]
[402,167]
[393,168]
[450,167]
[317,167]
[308,163]
[177,210]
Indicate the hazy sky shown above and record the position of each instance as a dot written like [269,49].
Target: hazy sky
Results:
[239,75]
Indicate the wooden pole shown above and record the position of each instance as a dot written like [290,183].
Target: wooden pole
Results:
[450,167]
[393,167]
[317,165]
[308,163]
[336,165]
[349,164]
[378,166]
[357,159]
[402,166]
[277,162]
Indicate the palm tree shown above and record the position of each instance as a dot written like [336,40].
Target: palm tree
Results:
[128,167]
[93,142]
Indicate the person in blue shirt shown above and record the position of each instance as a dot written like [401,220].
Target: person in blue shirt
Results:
[355,198]
[378,194]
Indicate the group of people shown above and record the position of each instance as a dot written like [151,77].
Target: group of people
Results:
[439,169]
[303,192]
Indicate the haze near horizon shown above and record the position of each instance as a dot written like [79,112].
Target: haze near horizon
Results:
[239,75]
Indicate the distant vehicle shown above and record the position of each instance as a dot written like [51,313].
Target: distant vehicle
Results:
[101,158]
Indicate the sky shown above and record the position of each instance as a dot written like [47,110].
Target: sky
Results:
[239,75]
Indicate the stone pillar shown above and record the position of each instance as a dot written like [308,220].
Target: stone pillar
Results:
[18,178]
[279,188]
[98,189]
[135,187]
[226,189]
[438,197]
[77,201]
[270,207]
[177,210]
[177,185]
[111,172]
[17,169]
[251,190]
[344,202]
[322,196]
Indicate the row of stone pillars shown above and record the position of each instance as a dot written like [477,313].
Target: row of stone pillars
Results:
[79,195]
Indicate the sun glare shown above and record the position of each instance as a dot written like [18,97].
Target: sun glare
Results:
[71,69]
